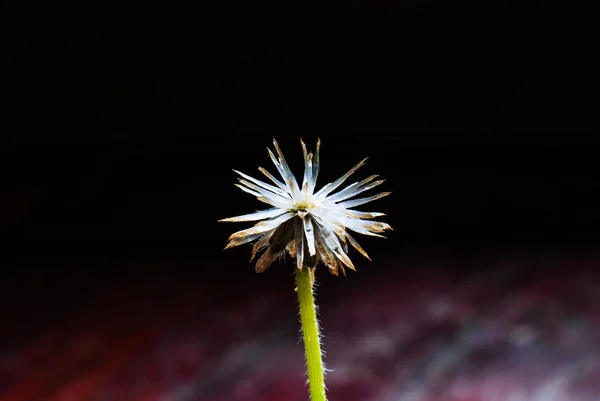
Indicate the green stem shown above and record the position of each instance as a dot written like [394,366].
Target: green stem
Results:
[310,330]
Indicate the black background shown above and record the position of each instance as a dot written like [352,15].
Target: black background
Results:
[123,126]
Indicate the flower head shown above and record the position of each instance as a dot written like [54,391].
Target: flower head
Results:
[312,226]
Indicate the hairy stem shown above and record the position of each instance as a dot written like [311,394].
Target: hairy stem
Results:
[310,330]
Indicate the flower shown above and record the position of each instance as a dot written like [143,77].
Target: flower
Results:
[311,226]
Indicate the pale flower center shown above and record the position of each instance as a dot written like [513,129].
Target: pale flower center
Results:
[302,208]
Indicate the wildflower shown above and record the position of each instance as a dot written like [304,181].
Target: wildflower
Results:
[310,226]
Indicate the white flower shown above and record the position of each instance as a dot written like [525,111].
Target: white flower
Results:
[312,226]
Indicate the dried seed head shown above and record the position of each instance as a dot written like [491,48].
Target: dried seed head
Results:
[310,226]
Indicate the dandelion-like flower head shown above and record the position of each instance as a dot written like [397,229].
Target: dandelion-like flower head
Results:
[311,226]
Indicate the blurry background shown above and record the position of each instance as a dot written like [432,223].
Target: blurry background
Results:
[118,139]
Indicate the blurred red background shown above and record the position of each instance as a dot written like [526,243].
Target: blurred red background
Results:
[525,328]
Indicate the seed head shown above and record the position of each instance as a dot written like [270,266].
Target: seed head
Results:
[310,226]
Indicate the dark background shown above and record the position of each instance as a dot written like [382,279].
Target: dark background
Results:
[123,131]
[122,128]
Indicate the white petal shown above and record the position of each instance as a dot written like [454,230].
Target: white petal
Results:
[355,214]
[352,192]
[308,164]
[262,226]
[350,189]
[361,201]
[248,190]
[310,235]
[287,173]
[316,165]
[362,189]
[280,184]
[330,218]
[356,224]
[264,185]
[362,215]
[264,192]
[299,237]
[271,200]
[367,227]
[307,188]
[325,188]
[288,180]
[324,192]
[277,165]
[263,214]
